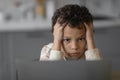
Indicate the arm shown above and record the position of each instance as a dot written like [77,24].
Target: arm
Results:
[54,52]
[45,52]
[48,54]
[57,34]
[90,36]
[57,43]
[92,53]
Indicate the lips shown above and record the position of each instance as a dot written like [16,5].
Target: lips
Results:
[74,54]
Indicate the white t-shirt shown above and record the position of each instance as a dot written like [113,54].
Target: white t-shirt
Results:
[48,54]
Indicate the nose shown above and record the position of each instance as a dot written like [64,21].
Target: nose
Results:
[74,45]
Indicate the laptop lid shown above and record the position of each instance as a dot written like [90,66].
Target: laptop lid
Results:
[63,70]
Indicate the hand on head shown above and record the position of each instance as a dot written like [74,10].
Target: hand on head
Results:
[58,35]
[90,35]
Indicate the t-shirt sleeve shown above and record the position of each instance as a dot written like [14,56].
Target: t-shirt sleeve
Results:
[55,55]
[93,54]
[45,52]
[48,54]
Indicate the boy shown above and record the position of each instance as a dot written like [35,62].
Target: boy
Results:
[72,28]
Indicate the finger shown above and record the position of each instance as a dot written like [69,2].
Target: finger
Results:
[89,26]
[57,24]
[59,20]
[58,27]
[86,26]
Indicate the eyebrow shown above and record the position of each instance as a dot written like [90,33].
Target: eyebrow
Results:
[70,37]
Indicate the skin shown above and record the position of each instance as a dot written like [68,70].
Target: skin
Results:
[73,41]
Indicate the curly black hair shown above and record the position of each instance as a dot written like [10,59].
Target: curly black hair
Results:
[72,14]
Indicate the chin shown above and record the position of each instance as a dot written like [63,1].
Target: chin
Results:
[75,58]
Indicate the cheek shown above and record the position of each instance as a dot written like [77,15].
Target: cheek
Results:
[82,46]
[65,47]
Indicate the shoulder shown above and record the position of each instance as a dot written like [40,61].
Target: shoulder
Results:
[45,51]
[47,47]
[93,54]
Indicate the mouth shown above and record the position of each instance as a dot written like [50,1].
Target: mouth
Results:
[74,54]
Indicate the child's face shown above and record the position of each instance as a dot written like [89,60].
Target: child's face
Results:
[74,42]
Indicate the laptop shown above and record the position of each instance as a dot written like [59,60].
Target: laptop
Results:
[63,70]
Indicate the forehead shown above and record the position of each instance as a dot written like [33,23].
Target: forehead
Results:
[70,31]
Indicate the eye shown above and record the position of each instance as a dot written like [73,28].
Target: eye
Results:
[66,40]
[80,39]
